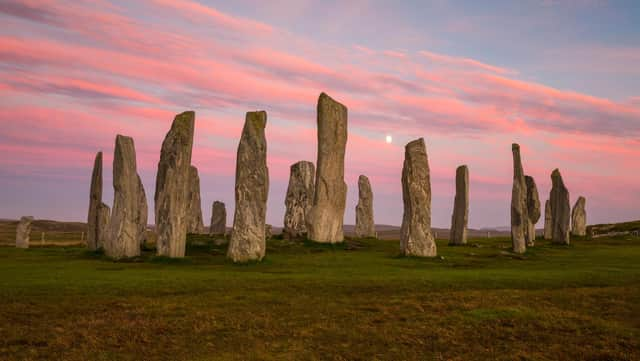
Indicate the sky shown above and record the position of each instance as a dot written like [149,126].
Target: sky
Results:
[559,77]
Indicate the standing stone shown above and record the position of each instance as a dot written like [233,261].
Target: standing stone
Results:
[122,239]
[298,202]
[416,238]
[268,231]
[218,219]
[579,218]
[195,224]
[172,187]
[460,217]
[326,217]
[247,241]
[23,232]
[548,226]
[560,209]
[518,203]
[104,213]
[365,225]
[533,210]
[143,213]
[95,199]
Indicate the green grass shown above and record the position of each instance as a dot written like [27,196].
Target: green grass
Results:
[357,300]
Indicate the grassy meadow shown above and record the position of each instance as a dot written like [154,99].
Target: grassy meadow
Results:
[354,301]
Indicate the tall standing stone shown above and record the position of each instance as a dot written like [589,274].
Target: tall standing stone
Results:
[365,225]
[143,213]
[104,214]
[560,209]
[195,224]
[298,202]
[326,217]
[122,240]
[23,232]
[548,221]
[518,203]
[579,218]
[247,241]
[172,186]
[95,200]
[416,238]
[460,217]
[218,219]
[533,210]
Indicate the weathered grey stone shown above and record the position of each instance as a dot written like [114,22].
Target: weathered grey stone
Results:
[518,203]
[460,217]
[143,213]
[579,218]
[195,224]
[172,186]
[104,214]
[533,211]
[23,232]
[122,240]
[298,202]
[326,217]
[95,199]
[416,238]
[218,219]
[268,231]
[365,225]
[247,241]
[560,209]
[548,222]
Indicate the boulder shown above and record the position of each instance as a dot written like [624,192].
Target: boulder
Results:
[195,223]
[579,218]
[298,202]
[365,225]
[560,209]
[460,217]
[519,219]
[416,238]
[172,187]
[326,217]
[23,232]
[247,241]
[548,226]
[533,210]
[122,240]
[218,219]
[95,200]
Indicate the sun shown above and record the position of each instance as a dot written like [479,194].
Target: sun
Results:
[388,139]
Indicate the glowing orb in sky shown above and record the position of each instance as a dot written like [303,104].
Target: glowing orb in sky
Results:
[388,139]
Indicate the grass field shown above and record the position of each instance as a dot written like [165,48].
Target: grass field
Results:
[356,301]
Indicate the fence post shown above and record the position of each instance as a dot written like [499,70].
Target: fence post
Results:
[42,238]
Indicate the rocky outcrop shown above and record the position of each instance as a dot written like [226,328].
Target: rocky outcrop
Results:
[195,224]
[95,200]
[548,222]
[365,225]
[218,219]
[579,218]
[416,238]
[23,232]
[172,186]
[143,213]
[460,217]
[533,211]
[326,217]
[247,241]
[104,215]
[122,240]
[298,202]
[518,203]
[560,209]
